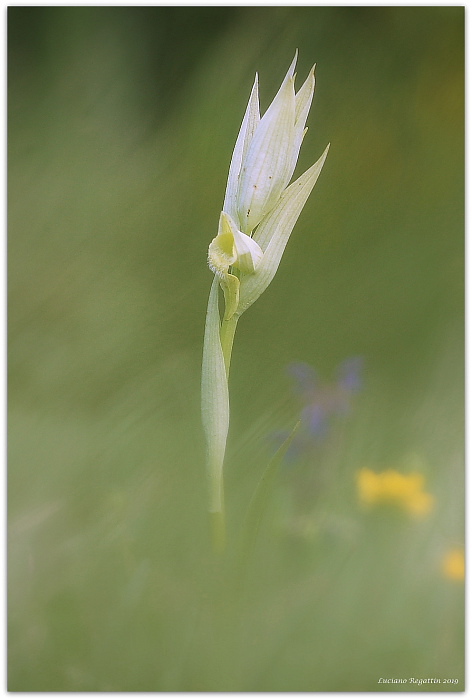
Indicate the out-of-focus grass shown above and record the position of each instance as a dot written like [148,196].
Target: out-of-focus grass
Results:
[121,125]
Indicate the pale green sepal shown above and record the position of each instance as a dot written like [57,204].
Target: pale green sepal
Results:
[254,117]
[274,232]
[246,132]
[215,400]
[230,286]
[291,70]
[266,168]
[303,100]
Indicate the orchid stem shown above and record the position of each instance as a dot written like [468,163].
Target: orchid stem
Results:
[228,329]
[218,531]
[218,520]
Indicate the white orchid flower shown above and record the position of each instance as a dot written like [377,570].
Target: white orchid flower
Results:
[259,207]
[260,210]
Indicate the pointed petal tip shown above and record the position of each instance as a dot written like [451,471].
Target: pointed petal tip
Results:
[291,70]
[311,76]
[223,220]
[322,158]
[318,164]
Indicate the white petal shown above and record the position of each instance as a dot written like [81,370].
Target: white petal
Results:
[304,97]
[246,132]
[268,161]
[249,252]
[291,69]
[274,232]
[303,100]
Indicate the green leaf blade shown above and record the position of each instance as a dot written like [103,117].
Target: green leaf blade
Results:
[215,400]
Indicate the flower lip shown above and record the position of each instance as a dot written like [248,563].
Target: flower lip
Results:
[232,247]
[221,253]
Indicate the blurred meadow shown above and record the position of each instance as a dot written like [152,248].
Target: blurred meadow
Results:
[122,122]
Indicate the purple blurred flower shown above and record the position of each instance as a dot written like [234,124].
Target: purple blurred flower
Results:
[320,402]
[349,374]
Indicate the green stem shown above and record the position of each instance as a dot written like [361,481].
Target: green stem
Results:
[218,520]
[218,531]
[228,329]
[215,413]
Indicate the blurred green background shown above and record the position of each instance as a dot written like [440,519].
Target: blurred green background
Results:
[122,122]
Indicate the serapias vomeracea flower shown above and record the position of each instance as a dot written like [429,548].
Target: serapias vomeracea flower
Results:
[259,212]
[260,208]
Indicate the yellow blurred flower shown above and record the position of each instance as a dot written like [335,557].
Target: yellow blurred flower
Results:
[453,565]
[393,488]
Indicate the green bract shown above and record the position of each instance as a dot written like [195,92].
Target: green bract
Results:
[260,210]
[215,400]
